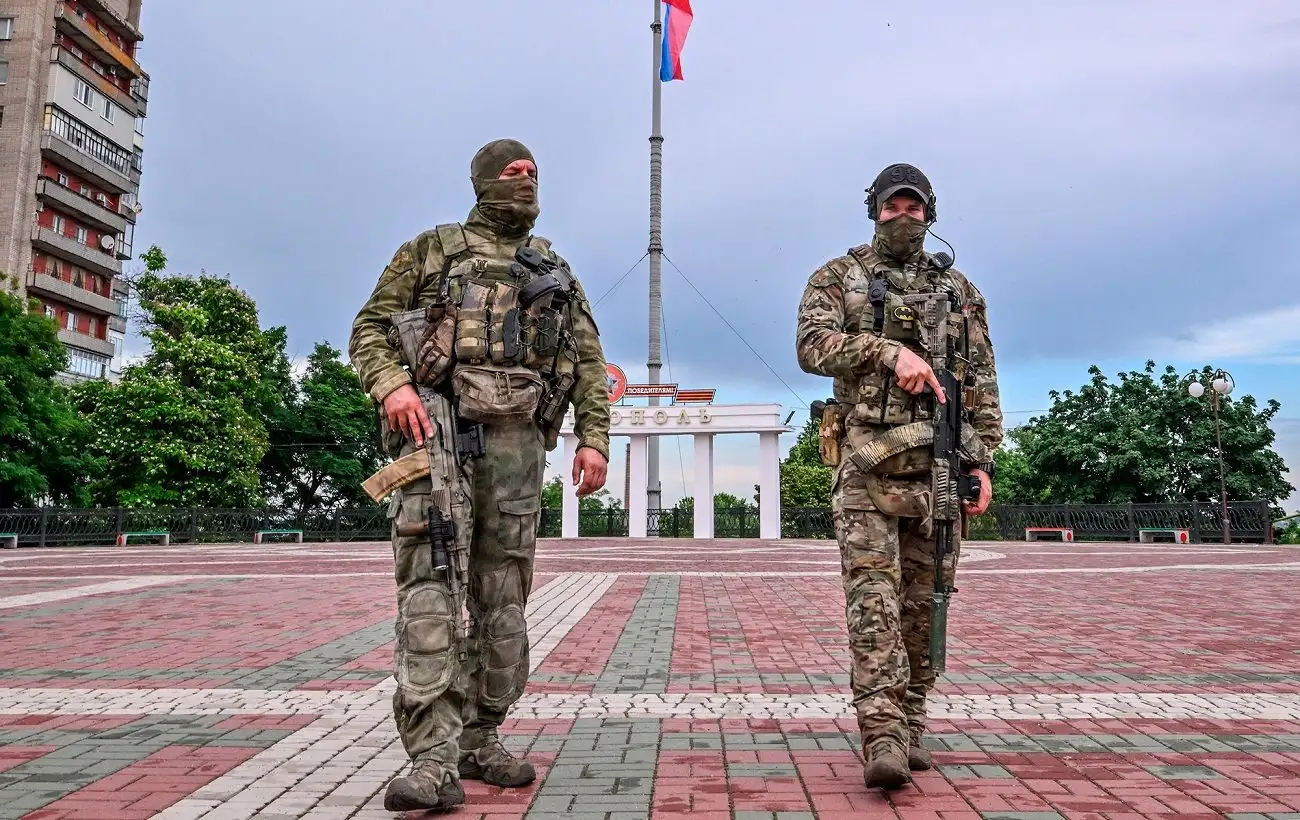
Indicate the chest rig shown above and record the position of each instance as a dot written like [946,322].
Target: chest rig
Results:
[495,332]
[924,312]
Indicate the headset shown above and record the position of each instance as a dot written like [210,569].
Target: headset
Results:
[901,172]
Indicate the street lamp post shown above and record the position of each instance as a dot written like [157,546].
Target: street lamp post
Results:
[1221,384]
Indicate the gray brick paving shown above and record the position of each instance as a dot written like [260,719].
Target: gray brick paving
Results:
[1021,815]
[640,660]
[86,756]
[603,769]
[1184,772]
[322,662]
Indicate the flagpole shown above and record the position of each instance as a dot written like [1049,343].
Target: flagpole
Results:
[654,494]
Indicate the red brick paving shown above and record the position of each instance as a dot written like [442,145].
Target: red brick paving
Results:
[1174,623]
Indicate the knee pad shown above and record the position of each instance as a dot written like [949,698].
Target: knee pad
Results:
[426,640]
[503,656]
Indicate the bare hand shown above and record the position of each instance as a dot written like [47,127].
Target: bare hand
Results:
[406,413]
[589,468]
[914,374]
[981,504]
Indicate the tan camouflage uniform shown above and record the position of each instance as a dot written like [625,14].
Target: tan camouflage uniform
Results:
[444,713]
[880,520]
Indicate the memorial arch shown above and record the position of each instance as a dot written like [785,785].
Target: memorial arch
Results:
[702,423]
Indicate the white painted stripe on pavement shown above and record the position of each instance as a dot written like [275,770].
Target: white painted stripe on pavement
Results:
[51,595]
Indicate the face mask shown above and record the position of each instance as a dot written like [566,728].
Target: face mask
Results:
[511,204]
[901,237]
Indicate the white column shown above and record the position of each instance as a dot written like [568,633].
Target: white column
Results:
[769,485]
[636,505]
[569,520]
[703,485]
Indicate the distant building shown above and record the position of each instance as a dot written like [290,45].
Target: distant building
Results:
[72,108]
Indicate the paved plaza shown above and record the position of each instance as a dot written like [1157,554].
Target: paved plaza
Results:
[671,678]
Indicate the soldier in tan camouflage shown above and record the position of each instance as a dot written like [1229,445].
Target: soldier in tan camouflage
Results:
[447,713]
[854,326]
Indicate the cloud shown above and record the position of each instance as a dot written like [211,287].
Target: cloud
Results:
[1108,174]
[1270,335]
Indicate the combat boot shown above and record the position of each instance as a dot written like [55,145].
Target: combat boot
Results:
[918,757]
[491,763]
[429,786]
[886,764]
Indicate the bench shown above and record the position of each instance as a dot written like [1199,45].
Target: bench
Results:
[297,535]
[165,536]
[1179,535]
[1033,533]
[9,540]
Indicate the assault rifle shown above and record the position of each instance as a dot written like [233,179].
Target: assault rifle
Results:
[950,488]
[949,485]
[442,453]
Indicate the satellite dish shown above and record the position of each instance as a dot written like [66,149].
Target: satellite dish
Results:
[107,242]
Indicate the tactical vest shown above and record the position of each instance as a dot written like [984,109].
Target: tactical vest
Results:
[504,363]
[926,315]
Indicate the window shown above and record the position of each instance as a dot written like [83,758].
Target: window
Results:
[83,94]
[85,190]
[50,312]
[139,126]
[82,235]
[6,28]
[85,363]
[94,327]
[78,278]
[63,180]
[4,71]
[70,321]
[109,111]
[57,224]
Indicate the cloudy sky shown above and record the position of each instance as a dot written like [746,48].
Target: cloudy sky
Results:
[1119,177]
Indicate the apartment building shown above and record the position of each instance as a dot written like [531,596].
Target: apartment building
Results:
[72,108]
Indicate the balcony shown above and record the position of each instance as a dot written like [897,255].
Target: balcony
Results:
[94,41]
[73,339]
[72,141]
[100,83]
[105,264]
[109,16]
[71,294]
[88,210]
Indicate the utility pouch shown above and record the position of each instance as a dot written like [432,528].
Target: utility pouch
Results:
[496,395]
[406,335]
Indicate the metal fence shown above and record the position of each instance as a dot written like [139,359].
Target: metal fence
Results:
[1250,521]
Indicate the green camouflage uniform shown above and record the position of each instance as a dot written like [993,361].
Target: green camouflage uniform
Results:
[887,556]
[444,712]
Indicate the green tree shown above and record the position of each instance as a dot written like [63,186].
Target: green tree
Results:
[1142,438]
[43,442]
[185,426]
[805,481]
[322,438]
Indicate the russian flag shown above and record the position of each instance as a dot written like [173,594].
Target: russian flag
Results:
[677,21]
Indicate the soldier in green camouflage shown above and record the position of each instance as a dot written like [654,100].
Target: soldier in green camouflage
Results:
[447,712]
[857,323]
